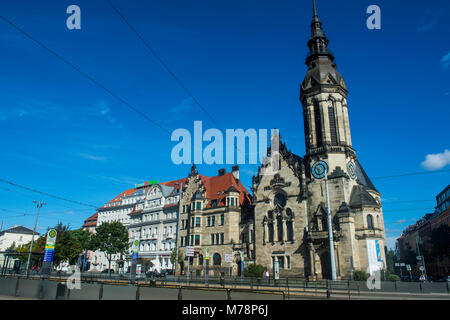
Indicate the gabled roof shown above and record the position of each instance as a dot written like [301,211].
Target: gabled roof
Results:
[91,221]
[19,230]
[217,186]
[360,198]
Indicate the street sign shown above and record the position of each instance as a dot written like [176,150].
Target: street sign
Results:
[419,258]
[189,251]
[402,264]
[207,255]
[397,264]
[228,257]
[408,267]
[421,268]
[50,246]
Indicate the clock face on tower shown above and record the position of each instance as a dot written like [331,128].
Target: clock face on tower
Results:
[319,169]
[351,169]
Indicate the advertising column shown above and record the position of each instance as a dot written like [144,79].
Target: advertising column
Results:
[49,253]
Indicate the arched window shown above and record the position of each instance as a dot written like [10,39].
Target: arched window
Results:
[369,221]
[217,260]
[200,260]
[280,228]
[332,121]
[290,230]
[270,226]
[318,124]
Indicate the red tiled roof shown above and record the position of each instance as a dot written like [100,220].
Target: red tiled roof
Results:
[217,186]
[123,194]
[174,184]
[91,221]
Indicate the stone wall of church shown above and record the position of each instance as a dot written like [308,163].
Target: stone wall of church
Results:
[291,254]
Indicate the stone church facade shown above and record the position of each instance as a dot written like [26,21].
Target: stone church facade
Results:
[290,205]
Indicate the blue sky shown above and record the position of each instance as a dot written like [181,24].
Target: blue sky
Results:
[244,61]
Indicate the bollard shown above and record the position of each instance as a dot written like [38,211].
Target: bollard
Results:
[138,294]
[17,287]
[328,294]
[228,294]
[284,295]
[448,288]
[180,296]
[100,292]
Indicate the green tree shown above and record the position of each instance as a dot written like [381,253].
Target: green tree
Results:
[38,247]
[83,237]
[360,275]
[67,247]
[110,238]
[391,260]
[254,270]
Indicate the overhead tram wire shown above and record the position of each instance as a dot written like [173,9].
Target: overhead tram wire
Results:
[410,174]
[165,66]
[97,83]
[48,194]
[29,196]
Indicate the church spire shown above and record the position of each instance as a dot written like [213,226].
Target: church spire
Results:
[318,43]
[315,16]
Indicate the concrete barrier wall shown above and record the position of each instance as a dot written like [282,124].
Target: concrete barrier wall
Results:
[29,288]
[434,287]
[87,292]
[158,293]
[116,292]
[8,286]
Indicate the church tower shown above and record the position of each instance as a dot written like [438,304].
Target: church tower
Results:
[291,211]
[323,94]
[355,204]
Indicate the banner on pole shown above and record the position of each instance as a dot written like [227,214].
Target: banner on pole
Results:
[135,250]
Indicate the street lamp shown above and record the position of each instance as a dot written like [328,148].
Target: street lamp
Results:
[39,206]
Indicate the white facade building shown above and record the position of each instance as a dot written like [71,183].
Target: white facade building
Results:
[154,224]
[17,235]
[150,213]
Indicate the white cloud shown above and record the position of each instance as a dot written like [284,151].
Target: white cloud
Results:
[400,221]
[92,157]
[436,161]
[445,61]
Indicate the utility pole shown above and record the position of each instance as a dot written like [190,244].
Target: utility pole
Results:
[178,228]
[330,232]
[39,206]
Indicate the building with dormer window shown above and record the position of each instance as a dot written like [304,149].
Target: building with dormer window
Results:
[216,214]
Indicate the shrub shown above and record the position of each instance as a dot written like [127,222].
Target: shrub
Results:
[359,275]
[254,270]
